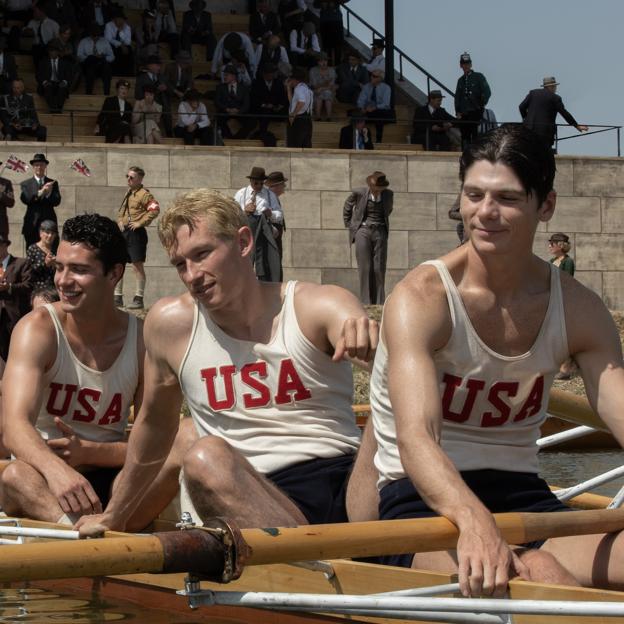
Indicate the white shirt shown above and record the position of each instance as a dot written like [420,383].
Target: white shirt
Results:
[122,105]
[294,42]
[302,93]
[378,62]
[110,34]
[87,45]
[265,198]
[188,116]
[49,30]
[220,57]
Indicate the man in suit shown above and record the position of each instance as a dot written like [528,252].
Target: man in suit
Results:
[432,123]
[539,111]
[115,119]
[96,57]
[263,22]
[375,100]
[197,28]
[8,67]
[268,97]
[41,195]
[366,213]
[54,76]
[15,287]
[7,200]
[351,76]
[19,115]
[97,12]
[179,75]
[232,101]
[356,135]
[152,75]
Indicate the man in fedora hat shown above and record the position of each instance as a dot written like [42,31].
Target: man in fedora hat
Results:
[539,111]
[276,182]
[41,195]
[432,123]
[377,62]
[232,102]
[197,28]
[366,213]
[471,96]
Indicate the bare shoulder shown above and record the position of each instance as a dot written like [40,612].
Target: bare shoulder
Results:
[34,338]
[311,299]
[170,317]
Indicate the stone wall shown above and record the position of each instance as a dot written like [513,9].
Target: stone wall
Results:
[590,204]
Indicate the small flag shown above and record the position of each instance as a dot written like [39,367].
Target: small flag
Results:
[15,164]
[80,166]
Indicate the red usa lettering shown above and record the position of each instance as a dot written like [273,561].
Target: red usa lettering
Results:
[222,396]
[87,401]
[496,395]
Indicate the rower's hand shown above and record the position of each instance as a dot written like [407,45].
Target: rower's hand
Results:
[92,526]
[358,340]
[70,448]
[74,493]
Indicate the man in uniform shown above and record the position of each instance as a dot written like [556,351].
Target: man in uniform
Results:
[138,209]
[469,349]
[262,368]
[7,200]
[471,97]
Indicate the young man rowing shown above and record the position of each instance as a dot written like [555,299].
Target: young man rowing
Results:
[261,367]
[469,348]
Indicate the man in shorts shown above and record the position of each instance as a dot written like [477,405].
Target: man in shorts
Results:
[138,209]
[262,368]
[469,348]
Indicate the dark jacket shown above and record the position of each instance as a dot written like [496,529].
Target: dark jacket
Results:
[143,79]
[44,71]
[261,94]
[38,209]
[171,78]
[9,67]
[19,110]
[354,211]
[258,29]
[192,26]
[539,112]
[112,123]
[7,200]
[267,262]
[14,302]
[348,83]
[87,16]
[224,99]
[423,122]
[472,92]
[347,136]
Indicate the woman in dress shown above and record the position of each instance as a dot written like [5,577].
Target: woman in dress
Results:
[323,83]
[42,256]
[146,117]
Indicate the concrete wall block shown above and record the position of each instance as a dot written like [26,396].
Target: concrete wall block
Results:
[591,279]
[413,211]
[613,215]
[332,204]
[196,169]
[599,252]
[432,174]
[62,157]
[25,151]
[316,248]
[161,282]
[613,290]
[600,177]
[444,202]
[347,278]
[155,163]
[241,163]
[165,196]
[105,200]
[363,163]
[564,178]
[322,172]
[576,214]
[302,209]
[540,245]
[398,257]
[156,254]
[67,208]
[287,249]
[303,275]
[429,245]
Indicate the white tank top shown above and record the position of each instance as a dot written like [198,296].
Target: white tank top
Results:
[95,403]
[492,404]
[279,403]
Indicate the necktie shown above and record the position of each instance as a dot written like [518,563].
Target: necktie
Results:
[373,96]
[54,76]
[353,71]
[93,50]
[40,183]
[40,33]
[118,36]
[360,140]
[232,90]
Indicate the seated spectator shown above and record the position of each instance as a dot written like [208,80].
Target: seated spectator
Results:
[54,78]
[323,83]
[304,45]
[377,62]
[226,46]
[193,121]
[41,256]
[152,75]
[263,22]
[8,67]
[232,102]
[96,12]
[145,36]
[43,30]
[239,61]
[356,135]
[96,58]
[17,10]
[62,12]
[432,123]
[116,116]
[351,76]
[119,35]
[375,102]
[331,29]
[179,75]
[67,52]
[268,97]
[146,118]
[166,28]
[197,28]
[19,116]
[270,51]
[291,13]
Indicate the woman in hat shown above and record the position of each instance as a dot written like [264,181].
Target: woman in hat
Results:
[146,118]
[323,83]
[42,256]
[559,245]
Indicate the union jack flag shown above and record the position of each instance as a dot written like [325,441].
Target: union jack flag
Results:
[15,164]
[80,166]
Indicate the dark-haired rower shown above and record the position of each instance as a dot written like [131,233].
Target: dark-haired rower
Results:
[82,359]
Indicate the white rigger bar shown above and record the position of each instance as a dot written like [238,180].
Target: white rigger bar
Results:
[564,436]
[585,486]
[39,532]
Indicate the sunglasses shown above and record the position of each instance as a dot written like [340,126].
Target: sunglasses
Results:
[131,177]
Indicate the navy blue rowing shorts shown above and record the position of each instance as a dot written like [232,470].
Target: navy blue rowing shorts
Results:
[317,486]
[500,491]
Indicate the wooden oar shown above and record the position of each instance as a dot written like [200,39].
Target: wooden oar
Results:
[198,551]
[574,408]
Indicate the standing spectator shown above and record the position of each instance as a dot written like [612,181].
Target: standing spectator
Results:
[41,195]
[7,200]
[366,213]
[304,45]
[197,28]
[138,209]
[351,77]
[263,22]
[375,102]
[270,51]
[42,256]
[268,97]
[146,38]
[166,29]
[539,111]
[96,57]
[323,83]
[431,124]
[15,288]
[19,115]
[471,97]
[54,77]
[193,121]
[152,75]
[146,118]
[377,62]
[8,67]
[301,98]
[331,29]
[43,30]
[226,46]
[356,135]
[118,33]
[179,75]
[116,116]
[232,102]
[276,182]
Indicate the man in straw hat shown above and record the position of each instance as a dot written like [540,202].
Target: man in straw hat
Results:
[470,345]
[366,213]
[262,367]
[539,111]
